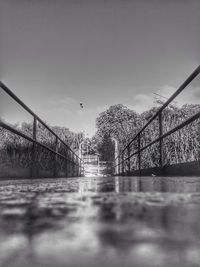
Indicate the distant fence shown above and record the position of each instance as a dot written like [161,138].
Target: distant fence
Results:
[39,159]
[124,164]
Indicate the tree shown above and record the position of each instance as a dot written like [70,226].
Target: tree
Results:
[89,146]
[119,122]
[123,124]
[106,149]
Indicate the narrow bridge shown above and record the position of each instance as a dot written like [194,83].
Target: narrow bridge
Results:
[122,220]
[57,159]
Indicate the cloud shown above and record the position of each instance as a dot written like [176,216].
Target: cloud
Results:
[143,102]
[190,95]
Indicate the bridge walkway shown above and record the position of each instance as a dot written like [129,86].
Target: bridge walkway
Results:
[98,221]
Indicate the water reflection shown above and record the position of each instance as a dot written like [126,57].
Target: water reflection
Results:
[134,221]
[139,184]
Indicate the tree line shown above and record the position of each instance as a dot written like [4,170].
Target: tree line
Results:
[123,124]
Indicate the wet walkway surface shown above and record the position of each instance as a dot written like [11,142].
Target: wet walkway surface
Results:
[116,221]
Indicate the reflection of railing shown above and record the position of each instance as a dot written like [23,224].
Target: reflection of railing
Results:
[75,163]
[121,160]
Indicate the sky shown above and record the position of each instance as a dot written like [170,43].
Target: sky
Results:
[55,54]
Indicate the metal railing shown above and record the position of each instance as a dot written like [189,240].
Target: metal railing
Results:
[77,164]
[120,160]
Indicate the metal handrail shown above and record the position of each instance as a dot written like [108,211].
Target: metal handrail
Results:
[15,131]
[21,103]
[178,127]
[178,91]
[76,159]
[194,74]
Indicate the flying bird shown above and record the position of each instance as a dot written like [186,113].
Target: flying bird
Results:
[81,104]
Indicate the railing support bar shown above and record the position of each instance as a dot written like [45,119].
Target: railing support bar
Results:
[56,158]
[122,163]
[139,154]
[129,160]
[33,161]
[160,117]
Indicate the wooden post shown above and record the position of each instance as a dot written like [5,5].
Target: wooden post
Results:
[139,155]
[160,142]
[33,160]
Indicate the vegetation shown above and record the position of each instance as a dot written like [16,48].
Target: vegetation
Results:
[119,122]
[43,135]
[15,150]
[123,124]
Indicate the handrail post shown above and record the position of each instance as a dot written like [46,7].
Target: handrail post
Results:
[129,160]
[68,163]
[119,166]
[33,160]
[116,167]
[73,165]
[76,166]
[122,163]
[79,167]
[82,168]
[139,154]
[160,117]
[56,158]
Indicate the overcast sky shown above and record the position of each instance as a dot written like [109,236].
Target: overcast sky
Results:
[57,53]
